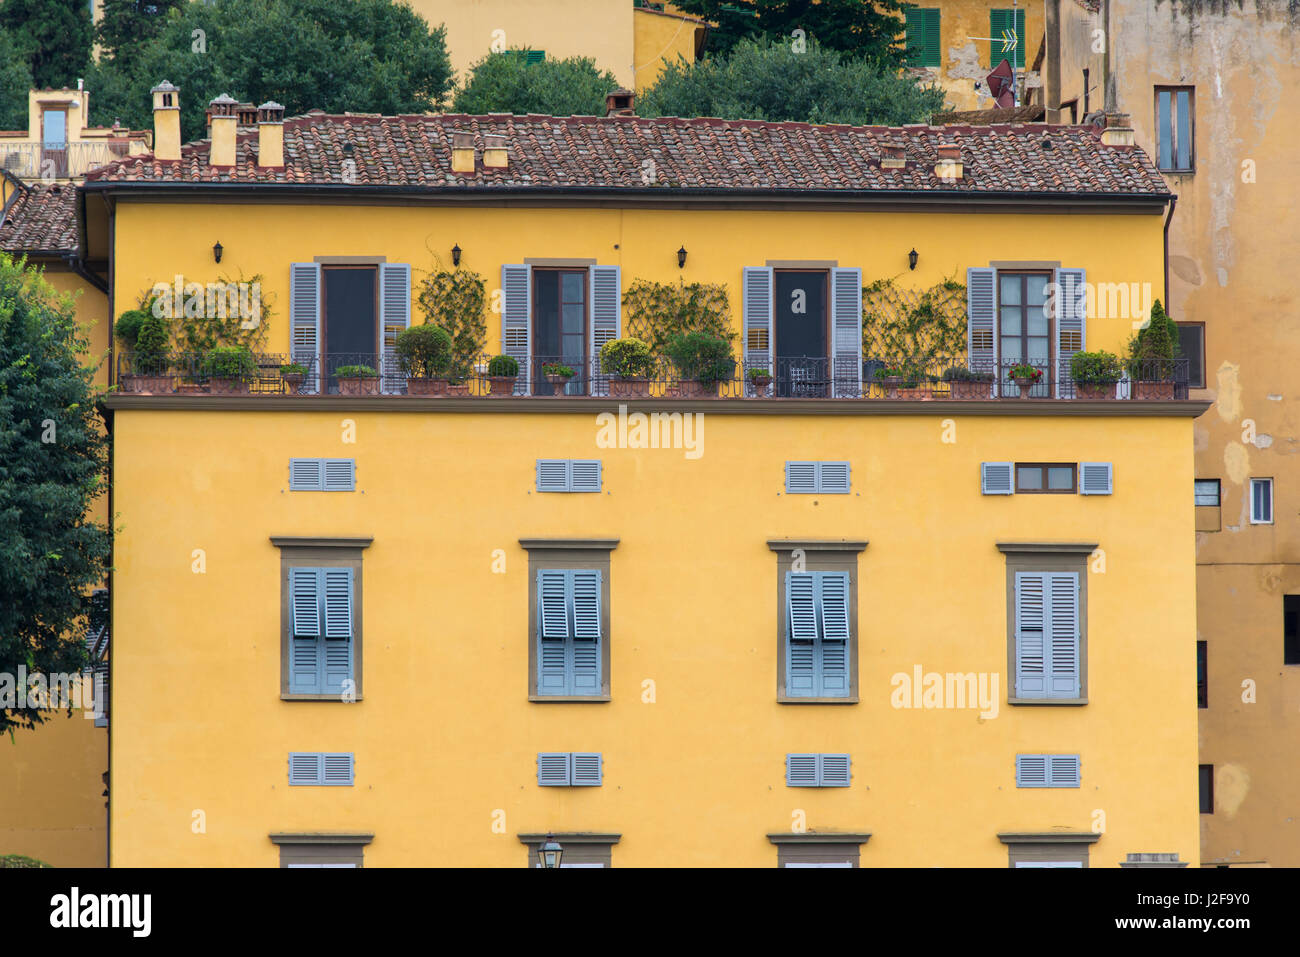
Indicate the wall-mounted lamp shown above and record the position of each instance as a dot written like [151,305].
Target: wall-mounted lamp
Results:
[912,257]
[681,258]
[216,251]
[455,255]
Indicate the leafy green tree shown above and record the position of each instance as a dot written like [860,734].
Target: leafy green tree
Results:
[53,465]
[506,82]
[127,26]
[15,81]
[373,56]
[856,27]
[52,36]
[770,81]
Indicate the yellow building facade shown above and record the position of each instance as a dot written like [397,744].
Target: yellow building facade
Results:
[690,737]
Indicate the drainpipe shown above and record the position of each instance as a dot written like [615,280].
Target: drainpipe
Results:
[1173,201]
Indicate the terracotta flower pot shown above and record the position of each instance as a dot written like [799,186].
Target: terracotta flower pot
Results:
[1095,390]
[969,389]
[635,388]
[501,384]
[1153,390]
[458,388]
[695,389]
[292,382]
[558,382]
[219,385]
[146,384]
[358,385]
[419,386]
[760,384]
[912,392]
[191,388]
[1025,385]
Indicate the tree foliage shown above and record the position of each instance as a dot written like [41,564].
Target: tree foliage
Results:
[15,81]
[53,37]
[53,465]
[861,29]
[371,56]
[770,81]
[127,26]
[506,82]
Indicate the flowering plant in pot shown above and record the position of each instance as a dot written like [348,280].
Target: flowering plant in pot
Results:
[501,374]
[1151,356]
[760,379]
[357,380]
[558,375]
[963,383]
[424,356]
[702,360]
[629,364]
[292,374]
[1026,377]
[227,369]
[1095,374]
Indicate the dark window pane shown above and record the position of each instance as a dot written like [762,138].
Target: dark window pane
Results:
[1191,346]
[1291,629]
[1202,675]
[1029,478]
[1060,477]
[1165,136]
[1207,788]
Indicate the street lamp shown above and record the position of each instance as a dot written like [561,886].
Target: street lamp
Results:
[549,852]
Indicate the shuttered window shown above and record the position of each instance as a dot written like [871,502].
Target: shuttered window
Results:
[1095,478]
[1001,22]
[323,769]
[569,769]
[817,645]
[569,631]
[997,478]
[825,478]
[304,320]
[321,645]
[922,36]
[394,317]
[1047,770]
[817,770]
[322,475]
[1047,634]
[568,475]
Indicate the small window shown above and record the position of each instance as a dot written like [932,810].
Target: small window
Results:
[1174,119]
[817,770]
[320,768]
[1047,770]
[569,769]
[1261,501]
[1202,688]
[922,27]
[1207,492]
[322,475]
[810,478]
[1207,788]
[1291,629]
[1191,346]
[1046,478]
[568,475]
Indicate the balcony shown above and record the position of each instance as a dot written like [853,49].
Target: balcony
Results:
[35,161]
[787,380]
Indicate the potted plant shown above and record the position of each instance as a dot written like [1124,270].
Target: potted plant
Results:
[912,387]
[357,380]
[890,378]
[702,361]
[629,364]
[424,356]
[1095,374]
[1151,354]
[150,368]
[292,374]
[963,383]
[227,369]
[501,374]
[557,375]
[1026,377]
[760,379]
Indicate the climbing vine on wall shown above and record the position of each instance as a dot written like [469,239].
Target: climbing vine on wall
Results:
[656,311]
[923,329]
[456,300]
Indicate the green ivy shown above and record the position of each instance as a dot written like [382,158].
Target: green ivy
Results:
[456,301]
[914,329]
[658,311]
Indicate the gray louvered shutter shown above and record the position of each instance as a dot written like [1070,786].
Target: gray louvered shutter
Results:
[997,478]
[306,653]
[552,631]
[757,311]
[801,770]
[833,478]
[586,769]
[800,478]
[338,629]
[394,316]
[1063,770]
[1063,634]
[1095,478]
[553,769]
[606,320]
[585,673]
[306,767]
[304,320]
[981,322]
[834,588]
[1071,319]
[801,634]
[306,475]
[832,657]
[1031,650]
[517,321]
[552,475]
[833,770]
[846,321]
[340,475]
[1031,771]
[337,768]
[584,475]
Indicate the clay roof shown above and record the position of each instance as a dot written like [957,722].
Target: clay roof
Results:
[1014,114]
[636,153]
[41,218]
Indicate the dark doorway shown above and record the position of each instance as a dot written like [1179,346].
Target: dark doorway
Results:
[802,360]
[351,329]
[560,328]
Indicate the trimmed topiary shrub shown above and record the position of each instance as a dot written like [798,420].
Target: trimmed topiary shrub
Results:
[424,352]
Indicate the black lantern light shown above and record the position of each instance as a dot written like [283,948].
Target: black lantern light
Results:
[681,258]
[549,852]
[912,257]
[216,251]
[455,255]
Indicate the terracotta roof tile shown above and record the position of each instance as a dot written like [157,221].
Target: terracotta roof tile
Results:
[41,218]
[628,152]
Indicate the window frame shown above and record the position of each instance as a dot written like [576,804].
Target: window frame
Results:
[1291,642]
[1046,558]
[1173,91]
[563,554]
[311,849]
[535,360]
[1061,849]
[1198,374]
[1043,467]
[811,848]
[1024,275]
[589,849]
[1263,481]
[1218,492]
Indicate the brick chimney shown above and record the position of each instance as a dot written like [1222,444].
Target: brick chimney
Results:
[462,151]
[166,121]
[1118,130]
[948,165]
[495,154]
[620,102]
[891,156]
[270,134]
[224,120]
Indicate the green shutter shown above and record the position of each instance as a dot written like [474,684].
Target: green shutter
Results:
[933,51]
[1000,20]
[922,26]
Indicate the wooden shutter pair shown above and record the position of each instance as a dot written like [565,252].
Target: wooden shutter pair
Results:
[322,475]
[570,769]
[1047,635]
[320,653]
[1070,308]
[999,478]
[817,770]
[568,475]
[922,27]
[323,768]
[817,634]
[826,478]
[1047,770]
[569,631]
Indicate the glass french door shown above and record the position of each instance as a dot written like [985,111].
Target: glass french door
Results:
[1024,326]
[560,334]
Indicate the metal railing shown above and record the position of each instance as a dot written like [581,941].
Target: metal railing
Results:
[34,161]
[787,378]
